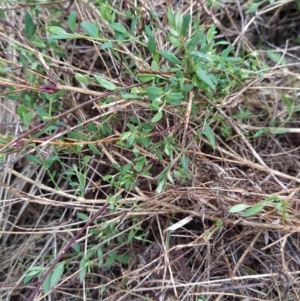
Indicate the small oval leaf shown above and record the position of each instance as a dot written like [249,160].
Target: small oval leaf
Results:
[47,284]
[253,210]
[157,117]
[57,30]
[209,133]
[105,83]
[238,208]
[152,45]
[83,268]
[119,28]
[90,28]
[57,273]
[72,21]
[171,57]
[84,79]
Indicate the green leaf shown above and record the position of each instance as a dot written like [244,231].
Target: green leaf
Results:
[86,159]
[105,83]
[174,32]
[154,65]
[148,31]
[125,135]
[100,256]
[170,178]
[106,129]
[57,273]
[174,96]
[260,132]
[175,41]
[52,159]
[171,57]
[94,149]
[279,206]
[34,159]
[204,76]
[225,52]
[161,186]
[178,20]
[91,29]
[106,13]
[59,33]
[289,103]
[159,154]
[133,24]
[139,163]
[171,17]
[272,198]
[111,258]
[72,21]
[238,208]
[195,40]
[152,45]
[84,79]
[57,30]
[25,115]
[154,92]
[82,216]
[32,272]
[22,110]
[146,77]
[157,116]
[211,34]
[156,103]
[253,210]
[123,258]
[107,45]
[276,57]
[130,236]
[92,127]
[83,269]
[76,247]
[47,284]
[185,24]
[131,139]
[208,132]
[77,136]
[130,96]
[119,28]
[184,162]
[186,88]
[29,24]
[36,41]
[107,178]
[279,131]
[204,56]
[168,148]
[253,7]
[74,184]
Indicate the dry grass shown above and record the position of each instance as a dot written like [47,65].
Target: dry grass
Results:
[209,254]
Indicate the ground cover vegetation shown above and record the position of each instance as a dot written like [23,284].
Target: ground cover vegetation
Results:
[149,150]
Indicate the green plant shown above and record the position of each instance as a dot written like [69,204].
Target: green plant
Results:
[196,63]
[127,136]
[250,210]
